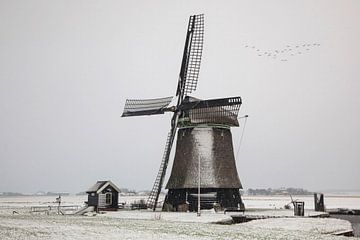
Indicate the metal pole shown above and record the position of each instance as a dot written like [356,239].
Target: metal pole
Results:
[198,211]
[59,202]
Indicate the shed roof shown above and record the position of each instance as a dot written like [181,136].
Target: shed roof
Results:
[99,186]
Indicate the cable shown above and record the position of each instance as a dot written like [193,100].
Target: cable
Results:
[241,137]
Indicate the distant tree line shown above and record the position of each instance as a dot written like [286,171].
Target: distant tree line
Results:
[40,193]
[11,194]
[278,191]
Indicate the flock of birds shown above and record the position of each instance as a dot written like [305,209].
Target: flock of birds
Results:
[285,53]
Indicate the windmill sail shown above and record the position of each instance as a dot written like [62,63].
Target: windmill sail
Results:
[140,107]
[155,192]
[190,65]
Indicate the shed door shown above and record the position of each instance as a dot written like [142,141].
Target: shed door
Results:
[102,200]
[105,199]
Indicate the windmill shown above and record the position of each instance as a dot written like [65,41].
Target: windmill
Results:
[204,137]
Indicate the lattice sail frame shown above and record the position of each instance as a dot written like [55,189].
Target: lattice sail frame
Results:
[139,107]
[195,53]
[190,69]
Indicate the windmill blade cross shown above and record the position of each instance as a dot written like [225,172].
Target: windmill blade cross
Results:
[188,77]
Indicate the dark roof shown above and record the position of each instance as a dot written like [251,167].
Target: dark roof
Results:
[101,185]
[226,115]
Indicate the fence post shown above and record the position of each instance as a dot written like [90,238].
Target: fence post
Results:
[319,202]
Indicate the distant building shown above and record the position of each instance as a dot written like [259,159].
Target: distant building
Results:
[104,195]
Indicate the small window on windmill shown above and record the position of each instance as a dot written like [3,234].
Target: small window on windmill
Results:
[108,198]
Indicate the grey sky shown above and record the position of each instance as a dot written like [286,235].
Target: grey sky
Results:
[68,66]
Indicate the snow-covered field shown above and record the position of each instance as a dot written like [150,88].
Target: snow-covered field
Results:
[76,227]
[150,225]
[251,202]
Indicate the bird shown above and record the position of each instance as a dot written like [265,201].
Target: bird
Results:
[284,52]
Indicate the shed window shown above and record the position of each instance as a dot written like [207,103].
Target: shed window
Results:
[108,198]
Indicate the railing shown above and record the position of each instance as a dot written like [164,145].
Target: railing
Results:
[54,209]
